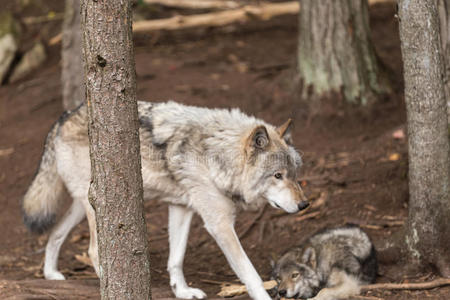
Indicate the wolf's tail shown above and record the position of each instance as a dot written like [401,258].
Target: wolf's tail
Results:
[41,200]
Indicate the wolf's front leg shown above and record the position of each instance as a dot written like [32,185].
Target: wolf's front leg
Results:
[179,223]
[217,212]
[340,286]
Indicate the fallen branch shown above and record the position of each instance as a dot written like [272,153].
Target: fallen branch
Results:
[217,19]
[42,19]
[407,286]
[196,4]
[376,225]
[239,289]
[252,223]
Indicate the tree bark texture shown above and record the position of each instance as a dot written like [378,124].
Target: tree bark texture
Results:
[444,17]
[335,52]
[116,183]
[72,59]
[427,232]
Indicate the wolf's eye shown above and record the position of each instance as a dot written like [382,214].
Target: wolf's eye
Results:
[294,275]
[278,175]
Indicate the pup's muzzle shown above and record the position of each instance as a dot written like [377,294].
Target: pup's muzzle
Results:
[302,205]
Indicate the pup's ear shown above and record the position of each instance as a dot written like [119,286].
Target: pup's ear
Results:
[285,131]
[309,257]
[259,138]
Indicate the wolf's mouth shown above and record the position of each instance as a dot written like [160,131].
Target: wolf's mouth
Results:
[274,204]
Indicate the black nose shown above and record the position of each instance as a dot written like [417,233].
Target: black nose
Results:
[302,205]
[282,293]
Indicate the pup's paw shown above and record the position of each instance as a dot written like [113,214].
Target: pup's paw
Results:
[54,275]
[189,293]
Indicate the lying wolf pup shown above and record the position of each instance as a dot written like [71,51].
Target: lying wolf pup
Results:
[331,264]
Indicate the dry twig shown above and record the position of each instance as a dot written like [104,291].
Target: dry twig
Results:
[407,286]
[252,223]
[238,289]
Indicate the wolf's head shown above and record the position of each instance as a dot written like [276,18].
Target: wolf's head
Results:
[296,275]
[271,165]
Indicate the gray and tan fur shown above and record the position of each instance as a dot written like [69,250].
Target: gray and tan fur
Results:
[207,161]
[331,264]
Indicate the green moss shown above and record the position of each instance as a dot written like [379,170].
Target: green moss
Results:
[8,25]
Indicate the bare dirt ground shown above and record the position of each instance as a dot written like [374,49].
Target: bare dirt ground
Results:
[354,170]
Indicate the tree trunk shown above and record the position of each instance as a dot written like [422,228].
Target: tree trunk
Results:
[72,60]
[116,183]
[427,232]
[444,17]
[335,52]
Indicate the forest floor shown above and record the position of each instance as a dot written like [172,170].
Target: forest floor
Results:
[353,165]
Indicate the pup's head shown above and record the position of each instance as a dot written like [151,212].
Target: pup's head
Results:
[271,166]
[297,278]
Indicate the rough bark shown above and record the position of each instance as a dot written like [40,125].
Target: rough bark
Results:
[116,182]
[72,61]
[427,237]
[335,52]
[444,17]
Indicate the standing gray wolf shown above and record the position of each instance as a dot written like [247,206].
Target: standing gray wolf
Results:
[208,161]
[331,264]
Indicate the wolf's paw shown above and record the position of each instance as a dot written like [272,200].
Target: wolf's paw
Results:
[54,275]
[189,293]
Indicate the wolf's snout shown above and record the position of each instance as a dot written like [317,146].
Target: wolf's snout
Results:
[302,205]
[282,293]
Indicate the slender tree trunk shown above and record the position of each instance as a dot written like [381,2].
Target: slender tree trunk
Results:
[427,232]
[116,185]
[72,59]
[444,17]
[335,52]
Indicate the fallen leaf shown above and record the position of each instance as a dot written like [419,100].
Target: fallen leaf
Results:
[399,134]
[394,157]
[6,152]
[84,258]
[78,237]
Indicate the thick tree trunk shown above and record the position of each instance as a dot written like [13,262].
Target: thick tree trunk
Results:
[72,60]
[427,232]
[444,17]
[116,185]
[335,53]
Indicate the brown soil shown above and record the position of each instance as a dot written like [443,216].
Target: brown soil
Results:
[351,159]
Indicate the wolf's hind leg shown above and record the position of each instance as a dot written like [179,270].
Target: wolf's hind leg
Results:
[179,224]
[73,217]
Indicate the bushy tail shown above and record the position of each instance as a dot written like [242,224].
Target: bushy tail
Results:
[41,201]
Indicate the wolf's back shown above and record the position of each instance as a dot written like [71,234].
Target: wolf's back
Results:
[40,202]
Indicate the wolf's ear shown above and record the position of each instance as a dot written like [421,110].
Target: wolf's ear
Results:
[309,257]
[285,131]
[259,138]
